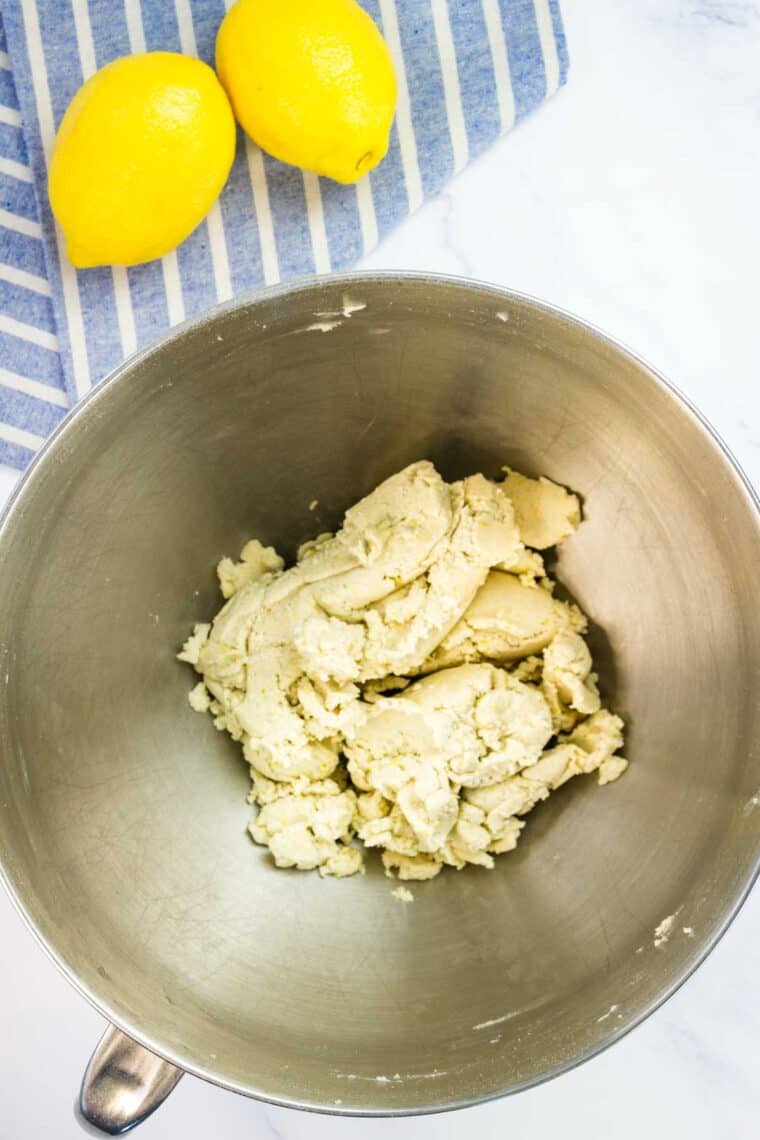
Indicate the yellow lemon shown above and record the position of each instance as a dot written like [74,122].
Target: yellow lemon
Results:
[311,81]
[140,157]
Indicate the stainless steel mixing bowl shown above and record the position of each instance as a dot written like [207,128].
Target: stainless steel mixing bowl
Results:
[123,813]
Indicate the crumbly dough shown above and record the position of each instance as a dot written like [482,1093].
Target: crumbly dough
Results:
[546,513]
[411,683]
[255,560]
[403,894]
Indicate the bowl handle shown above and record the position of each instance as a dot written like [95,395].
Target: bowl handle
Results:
[123,1083]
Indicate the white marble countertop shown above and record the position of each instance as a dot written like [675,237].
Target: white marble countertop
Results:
[632,200]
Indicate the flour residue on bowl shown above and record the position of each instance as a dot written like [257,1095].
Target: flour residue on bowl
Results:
[394,1079]
[664,929]
[321,326]
[330,319]
[752,803]
[495,1020]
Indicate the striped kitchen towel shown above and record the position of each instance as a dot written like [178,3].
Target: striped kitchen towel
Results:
[467,70]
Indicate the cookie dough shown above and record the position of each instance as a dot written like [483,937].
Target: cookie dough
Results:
[411,683]
[507,619]
[546,513]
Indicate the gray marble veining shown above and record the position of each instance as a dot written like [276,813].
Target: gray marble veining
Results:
[631,199]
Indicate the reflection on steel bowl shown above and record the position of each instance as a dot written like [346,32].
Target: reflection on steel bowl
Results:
[123,815]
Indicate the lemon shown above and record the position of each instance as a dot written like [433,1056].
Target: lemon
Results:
[311,81]
[140,157]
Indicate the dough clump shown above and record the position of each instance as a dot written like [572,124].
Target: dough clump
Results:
[411,683]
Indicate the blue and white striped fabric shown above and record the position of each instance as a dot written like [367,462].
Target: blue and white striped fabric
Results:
[33,395]
[467,69]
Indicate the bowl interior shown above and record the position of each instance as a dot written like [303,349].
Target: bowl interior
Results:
[123,813]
